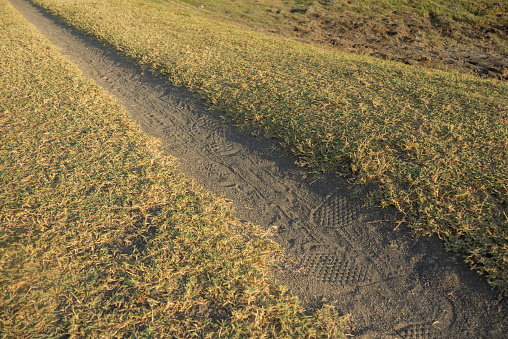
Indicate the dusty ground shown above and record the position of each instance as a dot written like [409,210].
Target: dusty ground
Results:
[362,260]
[431,42]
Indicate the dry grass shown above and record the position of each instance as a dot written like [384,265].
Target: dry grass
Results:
[100,237]
[434,141]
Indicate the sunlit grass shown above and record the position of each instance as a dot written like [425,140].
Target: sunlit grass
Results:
[435,142]
[99,234]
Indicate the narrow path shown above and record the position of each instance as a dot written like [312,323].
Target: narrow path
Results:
[394,284]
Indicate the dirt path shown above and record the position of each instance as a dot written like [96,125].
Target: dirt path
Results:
[394,284]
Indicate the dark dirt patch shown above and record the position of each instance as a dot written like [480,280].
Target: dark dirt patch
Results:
[216,313]
[432,42]
[362,260]
[413,41]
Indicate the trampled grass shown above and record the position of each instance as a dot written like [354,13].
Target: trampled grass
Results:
[435,142]
[100,237]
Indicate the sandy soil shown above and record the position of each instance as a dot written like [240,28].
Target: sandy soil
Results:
[362,260]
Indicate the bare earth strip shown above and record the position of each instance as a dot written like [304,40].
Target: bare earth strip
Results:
[394,284]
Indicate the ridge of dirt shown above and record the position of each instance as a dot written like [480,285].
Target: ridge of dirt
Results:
[361,260]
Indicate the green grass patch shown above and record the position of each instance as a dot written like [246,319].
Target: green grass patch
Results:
[101,237]
[434,141]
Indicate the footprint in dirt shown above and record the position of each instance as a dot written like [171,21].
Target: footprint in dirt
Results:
[393,283]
